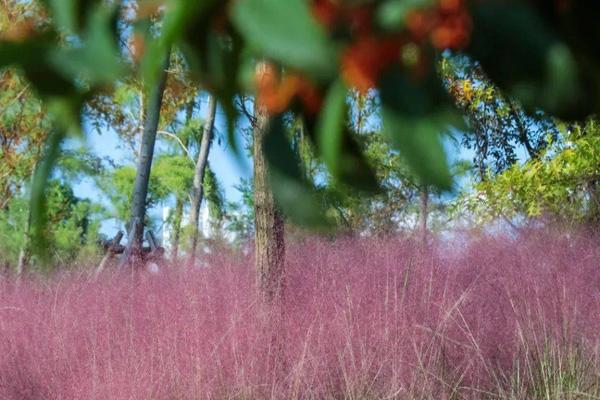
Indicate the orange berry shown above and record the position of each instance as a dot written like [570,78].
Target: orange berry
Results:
[453,32]
[449,6]
[360,19]
[325,11]
[363,62]
[310,97]
[274,93]
[418,23]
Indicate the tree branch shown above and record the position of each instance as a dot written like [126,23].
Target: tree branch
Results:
[176,138]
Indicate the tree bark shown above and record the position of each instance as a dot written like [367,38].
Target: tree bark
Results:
[269,226]
[423,213]
[25,252]
[140,188]
[180,200]
[177,220]
[198,188]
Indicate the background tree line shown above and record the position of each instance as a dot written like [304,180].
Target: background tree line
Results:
[349,110]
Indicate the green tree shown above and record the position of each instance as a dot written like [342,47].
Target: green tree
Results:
[72,231]
[498,128]
[559,186]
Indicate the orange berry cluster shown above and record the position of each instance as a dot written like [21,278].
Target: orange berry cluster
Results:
[444,25]
[275,91]
[369,50]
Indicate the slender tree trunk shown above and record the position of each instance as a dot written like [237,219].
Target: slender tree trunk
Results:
[25,253]
[180,200]
[269,226]
[423,213]
[198,188]
[140,189]
[594,202]
[177,220]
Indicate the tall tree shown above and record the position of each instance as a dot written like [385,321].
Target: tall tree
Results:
[197,189]
[142,179]
[179,199]
[268,220]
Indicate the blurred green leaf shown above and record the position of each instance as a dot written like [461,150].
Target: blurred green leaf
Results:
[69,15]
[525,53]
[96,59]
[331,125]
[180,15]
[562,90]
[66,113]
[416,97]
[419,142]
[286,31]
[292,193]
[32,57]
[413,119]
[510,41]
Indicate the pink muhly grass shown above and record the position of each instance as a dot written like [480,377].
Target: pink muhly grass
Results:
[491,317]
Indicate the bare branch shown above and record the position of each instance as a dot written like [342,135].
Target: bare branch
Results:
[176,138]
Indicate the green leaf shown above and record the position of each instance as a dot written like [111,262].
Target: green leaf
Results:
[96,60]
[562,87]
[63,13]
[286,32]
[521,52]
[330,126]
[510,40]
[292,193]
[32,57]
[409,96]
[414,116]
[66,113]
[180,17]
[419,142]
[69,15]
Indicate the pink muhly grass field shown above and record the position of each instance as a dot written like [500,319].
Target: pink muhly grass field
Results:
[492,317]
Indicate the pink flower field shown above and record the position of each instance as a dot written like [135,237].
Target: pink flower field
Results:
[484,318]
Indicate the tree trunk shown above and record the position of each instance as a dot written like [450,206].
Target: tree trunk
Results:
[269,226]
[140,188]
[180,200]
[423,213]
[25,253]
[177,220]
[198,188]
